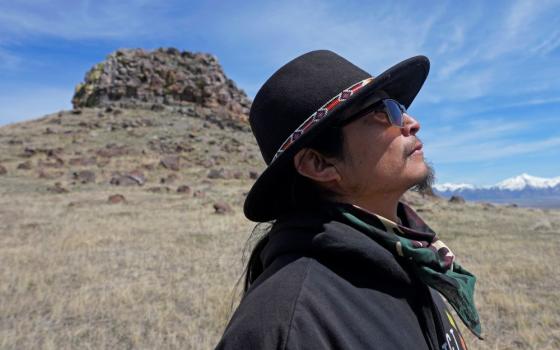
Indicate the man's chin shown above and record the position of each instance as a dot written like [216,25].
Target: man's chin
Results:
[425,179]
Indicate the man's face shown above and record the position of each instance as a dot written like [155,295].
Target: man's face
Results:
[381,158]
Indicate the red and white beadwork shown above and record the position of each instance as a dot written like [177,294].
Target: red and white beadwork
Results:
[320,114]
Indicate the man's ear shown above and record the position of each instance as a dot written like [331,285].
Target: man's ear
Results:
[312,164]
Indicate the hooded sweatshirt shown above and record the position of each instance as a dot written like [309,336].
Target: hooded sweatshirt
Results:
[327,285]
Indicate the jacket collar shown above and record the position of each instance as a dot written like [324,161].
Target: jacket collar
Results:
[320,234]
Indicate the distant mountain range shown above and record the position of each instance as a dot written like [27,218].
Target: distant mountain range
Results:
[524,190]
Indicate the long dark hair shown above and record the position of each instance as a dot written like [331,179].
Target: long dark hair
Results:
[304,193]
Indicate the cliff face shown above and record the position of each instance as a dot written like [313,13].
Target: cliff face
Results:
[153,79]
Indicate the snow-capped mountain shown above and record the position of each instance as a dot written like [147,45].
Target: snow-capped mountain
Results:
[453,187]
[525,180]
[523,189]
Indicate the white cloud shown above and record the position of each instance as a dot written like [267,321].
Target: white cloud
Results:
[487,140]
[103,19]
[372,36]
[464,134]
[483,151]
[533,102]
[490,139]
[454,40]
[523,26]
[548,45]
[451,67]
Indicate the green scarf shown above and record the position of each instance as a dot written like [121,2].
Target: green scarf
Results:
[431,260]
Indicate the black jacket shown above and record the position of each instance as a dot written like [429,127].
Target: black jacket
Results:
[326,285]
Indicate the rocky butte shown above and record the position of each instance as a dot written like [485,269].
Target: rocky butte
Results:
[165,121]
[132,78]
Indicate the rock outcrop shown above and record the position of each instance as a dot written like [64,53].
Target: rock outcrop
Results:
[154,79]
[456,199]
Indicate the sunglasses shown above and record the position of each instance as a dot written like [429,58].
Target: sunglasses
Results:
[392,109]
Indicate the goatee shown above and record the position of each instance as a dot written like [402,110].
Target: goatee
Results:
[424,186]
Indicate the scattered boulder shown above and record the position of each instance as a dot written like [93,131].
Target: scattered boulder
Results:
[222,208]
[57,188]
[219,174]
[103,162]
[132,178]
[84,176]
[159,189]
[253,175]
[53,152]
[456,199]
[28,152]
[3,170]
[512,205]
[487,206]
[25,165]
[116,198]
[137,176]
[120,180]
[185,189]
[53,162]
[157,107]
[170,162]
[206,163]
[148,166]
[169,179]
[15,142]
[237,175]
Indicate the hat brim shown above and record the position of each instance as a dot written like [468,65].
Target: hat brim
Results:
[270,194]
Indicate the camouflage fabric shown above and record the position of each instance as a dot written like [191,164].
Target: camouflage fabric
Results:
[431,260]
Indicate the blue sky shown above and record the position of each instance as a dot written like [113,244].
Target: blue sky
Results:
[489,110]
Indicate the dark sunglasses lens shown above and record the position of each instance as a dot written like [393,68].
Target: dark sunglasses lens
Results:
[376,106]
[394,112]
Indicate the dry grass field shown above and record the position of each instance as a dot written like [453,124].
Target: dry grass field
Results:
[514,254]
[158,270]
[78,272]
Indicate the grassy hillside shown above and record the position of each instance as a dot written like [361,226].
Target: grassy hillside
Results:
[158,269]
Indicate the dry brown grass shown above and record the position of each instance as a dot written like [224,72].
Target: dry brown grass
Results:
[158,271]
[155,272]
[515,258]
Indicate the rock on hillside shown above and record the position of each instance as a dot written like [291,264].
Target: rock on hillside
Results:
[140,78]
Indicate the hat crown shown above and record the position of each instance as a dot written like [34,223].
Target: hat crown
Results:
[294,92]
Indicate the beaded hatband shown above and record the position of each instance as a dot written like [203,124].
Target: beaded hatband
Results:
[320,114]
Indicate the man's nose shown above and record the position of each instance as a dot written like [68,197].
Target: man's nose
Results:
[411,125]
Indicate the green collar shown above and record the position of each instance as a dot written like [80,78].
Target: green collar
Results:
[431,260]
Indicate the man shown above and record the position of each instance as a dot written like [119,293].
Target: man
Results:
[345,265]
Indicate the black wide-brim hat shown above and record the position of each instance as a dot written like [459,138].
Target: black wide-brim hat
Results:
[303,97]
